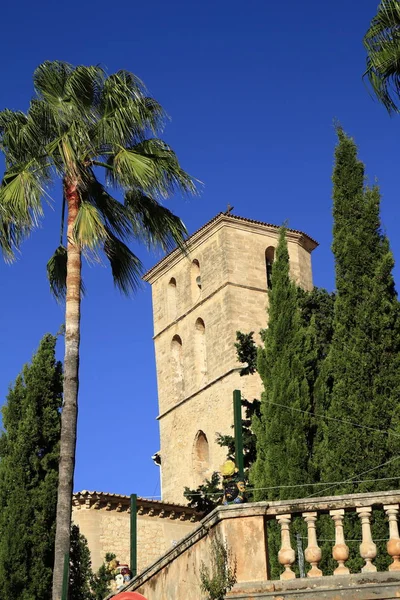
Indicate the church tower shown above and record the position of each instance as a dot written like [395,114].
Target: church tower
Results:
[200,300]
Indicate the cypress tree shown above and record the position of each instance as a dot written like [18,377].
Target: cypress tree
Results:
[29,450]
[80,571]
[359,386]
[361,381]
[284,430]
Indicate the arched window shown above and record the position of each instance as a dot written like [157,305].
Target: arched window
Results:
[201,457]
[171,298]
[200,350]
[177,365]
[269,260]
[195,277]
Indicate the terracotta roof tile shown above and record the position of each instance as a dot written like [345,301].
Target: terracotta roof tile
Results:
[94,493]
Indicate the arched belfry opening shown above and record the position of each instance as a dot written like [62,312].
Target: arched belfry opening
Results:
[201,457]
[200,350]
[195,279]
[177,365]
[171,298]
[269,261]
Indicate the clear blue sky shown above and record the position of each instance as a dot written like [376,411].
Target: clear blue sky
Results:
[252,89]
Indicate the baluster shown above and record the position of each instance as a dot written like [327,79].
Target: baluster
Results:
[313,553]
[393,545]
[367,546]
[286,554]
[340,550]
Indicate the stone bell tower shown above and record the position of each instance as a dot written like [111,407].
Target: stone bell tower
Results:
[200,300]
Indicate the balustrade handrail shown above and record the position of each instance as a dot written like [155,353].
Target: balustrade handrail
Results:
[310,509]
[347,502]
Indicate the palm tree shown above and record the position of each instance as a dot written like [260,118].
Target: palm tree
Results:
[80,123]
[382,42]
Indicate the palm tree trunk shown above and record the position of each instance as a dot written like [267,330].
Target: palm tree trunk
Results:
[69,415]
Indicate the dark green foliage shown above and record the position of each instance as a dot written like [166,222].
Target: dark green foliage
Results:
[252,409]
[316,318]
[207,496]
[381,43]
[29,449]
[220,577]
[80,571]
[246,351]
[361,382]
[284,439]
[295,345]
[359,386]
[100,583]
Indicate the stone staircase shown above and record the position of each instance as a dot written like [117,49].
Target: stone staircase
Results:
[175,576]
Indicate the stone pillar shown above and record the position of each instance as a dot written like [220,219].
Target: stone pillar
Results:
[313,553]
[367,546]
[393,545]
[286,554]
[340,550]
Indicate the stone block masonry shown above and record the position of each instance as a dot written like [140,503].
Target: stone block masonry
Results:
[201,298]
[104,519]
[175,576]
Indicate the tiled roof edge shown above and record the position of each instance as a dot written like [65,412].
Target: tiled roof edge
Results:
[233,218]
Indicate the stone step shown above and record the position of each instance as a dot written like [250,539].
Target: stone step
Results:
[377,586]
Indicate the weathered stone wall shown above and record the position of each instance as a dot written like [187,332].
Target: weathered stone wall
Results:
[176,575]
[107,529]
[196,364]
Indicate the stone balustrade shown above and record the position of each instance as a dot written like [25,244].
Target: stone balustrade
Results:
[360,504]
[245,529]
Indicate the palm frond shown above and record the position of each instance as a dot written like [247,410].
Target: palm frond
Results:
[126,267]
[89,230]
[70,93]
[16,138]
[83,88]
[132,169]
[127,114]
[129,122]
[10,237]
[154,223]
[20,196]
[120,85]
[168,176]
[42,123]
[116,217]
[57,274]
[382,43]
[50,81]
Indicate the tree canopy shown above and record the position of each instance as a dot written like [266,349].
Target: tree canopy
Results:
[29,451]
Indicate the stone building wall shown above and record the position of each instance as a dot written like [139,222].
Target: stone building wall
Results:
[200,300]
[104,519]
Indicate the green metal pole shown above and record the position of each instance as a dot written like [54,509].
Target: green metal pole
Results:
[134,535]
[64,592]
[237,420]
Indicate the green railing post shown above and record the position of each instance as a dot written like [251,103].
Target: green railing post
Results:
[134,535]
[237,420]
[64,592]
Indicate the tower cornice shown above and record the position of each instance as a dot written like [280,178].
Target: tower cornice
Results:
[219,221]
